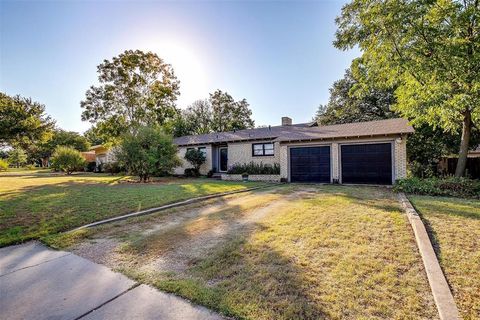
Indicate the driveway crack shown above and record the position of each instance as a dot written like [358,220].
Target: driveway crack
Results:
[108,301]
[34,265]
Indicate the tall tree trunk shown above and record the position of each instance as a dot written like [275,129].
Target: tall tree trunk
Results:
[464,145]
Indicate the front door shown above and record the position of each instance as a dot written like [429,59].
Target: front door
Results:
[223,159]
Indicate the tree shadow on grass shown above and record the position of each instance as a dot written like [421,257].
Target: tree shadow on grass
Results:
[212,263]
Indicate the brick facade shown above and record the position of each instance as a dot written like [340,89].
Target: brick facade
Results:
[252,177]
[241,153]
[400,151]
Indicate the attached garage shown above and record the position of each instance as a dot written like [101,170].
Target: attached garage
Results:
[310,164]
[366,163]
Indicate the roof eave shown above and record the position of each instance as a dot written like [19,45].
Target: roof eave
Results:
[343,137]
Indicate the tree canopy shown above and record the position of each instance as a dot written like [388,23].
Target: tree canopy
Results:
[352,101]
[219,113]
[346,104]
[147,152]
[228,114]
[23,121]
[17,157]
[136,88]
[428,51]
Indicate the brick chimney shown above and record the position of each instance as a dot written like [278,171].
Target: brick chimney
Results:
[286,121]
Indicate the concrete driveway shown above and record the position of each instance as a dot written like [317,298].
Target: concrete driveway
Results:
[39,283]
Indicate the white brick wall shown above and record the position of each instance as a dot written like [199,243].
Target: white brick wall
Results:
[241,153]
[400,150]
[252,177]
[284,161]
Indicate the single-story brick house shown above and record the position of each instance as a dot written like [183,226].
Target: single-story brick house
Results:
[103,154]
[367,152]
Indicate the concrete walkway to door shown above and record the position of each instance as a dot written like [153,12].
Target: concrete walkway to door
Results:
[39,283]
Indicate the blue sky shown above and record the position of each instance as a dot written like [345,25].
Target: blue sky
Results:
[277,55]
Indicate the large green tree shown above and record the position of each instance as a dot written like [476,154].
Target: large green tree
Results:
[346,104]
[429,51]
[23,121]
[351,101]
[199,117]
[136,88]
[43,151]
[17,157]
[218,113]
[228,114]
[147,152]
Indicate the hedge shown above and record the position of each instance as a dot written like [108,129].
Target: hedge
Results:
[448,186]
[254,168]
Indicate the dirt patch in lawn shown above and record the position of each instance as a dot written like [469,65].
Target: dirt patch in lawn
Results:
[176,239]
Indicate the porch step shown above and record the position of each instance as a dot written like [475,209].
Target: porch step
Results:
[217,175]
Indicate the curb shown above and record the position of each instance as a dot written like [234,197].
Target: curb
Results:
[442,295]
[167,206]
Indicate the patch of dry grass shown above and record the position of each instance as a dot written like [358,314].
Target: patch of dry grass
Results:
[454,227]
[293,252]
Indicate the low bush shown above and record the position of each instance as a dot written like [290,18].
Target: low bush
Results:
[90,167]
[254,168]
[191,172]
[67,159]
[113,168]
[448,186]
[3,165]
[196,157]
[30,167]
[148,152]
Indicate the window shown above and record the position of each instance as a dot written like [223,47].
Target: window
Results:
[262,149]
[203,150]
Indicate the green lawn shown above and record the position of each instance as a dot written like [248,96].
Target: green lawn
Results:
[287,252]
[36,204]
[454,227]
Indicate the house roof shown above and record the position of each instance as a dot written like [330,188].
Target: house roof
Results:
[303,132]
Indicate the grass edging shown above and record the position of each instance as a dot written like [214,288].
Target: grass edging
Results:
[165,207]
[442,295]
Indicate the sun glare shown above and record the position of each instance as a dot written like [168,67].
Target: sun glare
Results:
[189,69]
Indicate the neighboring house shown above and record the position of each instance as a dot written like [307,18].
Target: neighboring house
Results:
[367,152]
[103,154]
[448,164]
[89,156]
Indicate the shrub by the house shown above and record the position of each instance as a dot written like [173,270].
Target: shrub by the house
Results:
[90,167]
[196,158]
[113,167]
[449,186]
[254,168]
[147,152]
[67,159]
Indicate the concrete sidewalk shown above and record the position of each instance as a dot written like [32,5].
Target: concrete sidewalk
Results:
[39,283]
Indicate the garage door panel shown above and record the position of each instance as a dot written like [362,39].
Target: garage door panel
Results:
[367,163]
[310,164]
